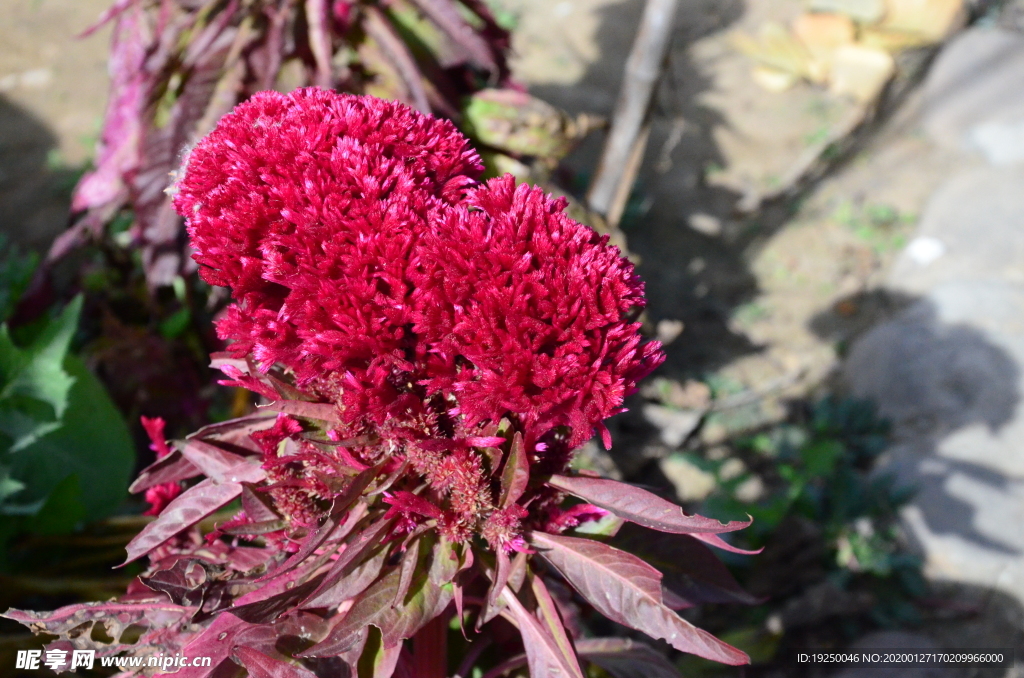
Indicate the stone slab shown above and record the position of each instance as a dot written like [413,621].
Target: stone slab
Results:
[978,78]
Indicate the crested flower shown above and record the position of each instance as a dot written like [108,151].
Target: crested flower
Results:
[430,350]
[158,496]
[367,263]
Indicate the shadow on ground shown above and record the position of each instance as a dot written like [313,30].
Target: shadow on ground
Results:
[35,189]
[931,379]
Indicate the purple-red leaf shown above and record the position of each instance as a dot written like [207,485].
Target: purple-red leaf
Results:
[267,610]
[640,506]
[355,551]
[221,465]
[543,653]
[306,410]
[317,19]
[547,611]
[625,658]
[718,542]
[169,469]
[627,590]
[363,613]
[690,569]
[516,475]
[260,665]
[446,15]
[237,432]
[115,616]
[499,579]
[257,505]
[183,582]
[410,559]
[215,642]
[354,580]
[117,153]
[185,511]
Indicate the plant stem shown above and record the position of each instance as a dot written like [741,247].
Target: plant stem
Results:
[430,649]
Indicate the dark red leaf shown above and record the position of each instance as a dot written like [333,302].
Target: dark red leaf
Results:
[547,611]
[430,595]
[117,153]
[718,542]
[627,590]
[317,21]
[260,665]
[640,506]
[257,505]
[273,607]
[306,410]
[543,653]
[170,469]
[216,642]
[115,616]
[185,511]
[219,464]
[237,432]
[689,568]
[354,580]
[625,658]
[446,15]
[499,579]
[363,613]
[355,551]
[183,582]
[410,559]
[516,475]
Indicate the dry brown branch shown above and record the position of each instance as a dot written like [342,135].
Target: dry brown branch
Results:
[624,147]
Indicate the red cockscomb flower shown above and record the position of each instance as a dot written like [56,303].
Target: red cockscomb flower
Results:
[339,224]
[434,349]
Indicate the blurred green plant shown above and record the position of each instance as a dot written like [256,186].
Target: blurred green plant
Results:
[65,452]
[880,226]
[821,470]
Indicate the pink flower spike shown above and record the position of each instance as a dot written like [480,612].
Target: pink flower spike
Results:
[155,430]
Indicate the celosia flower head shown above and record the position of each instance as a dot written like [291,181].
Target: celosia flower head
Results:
[365,260]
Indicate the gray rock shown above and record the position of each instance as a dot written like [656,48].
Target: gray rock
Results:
[978,218]
[978,78]
[1000,141]
[948,372]
[674,426]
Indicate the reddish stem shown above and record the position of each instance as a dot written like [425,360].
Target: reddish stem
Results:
[430,649]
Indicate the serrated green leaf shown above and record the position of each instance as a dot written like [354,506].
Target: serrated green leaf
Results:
[92,443]
[8,485]
[37,371]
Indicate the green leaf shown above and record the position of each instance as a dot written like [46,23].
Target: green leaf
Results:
[63,510]
[8,485]
[820,457]
[16,271]
[33,384]
[37,371]
[176,323]
[93,443]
